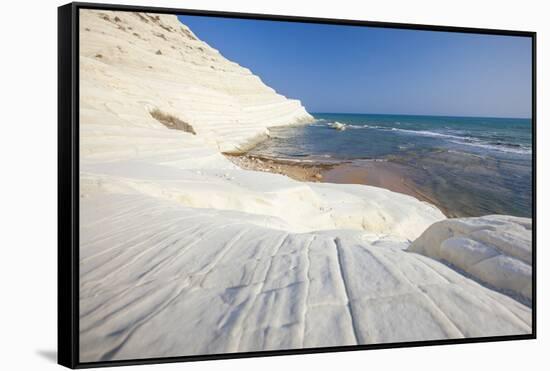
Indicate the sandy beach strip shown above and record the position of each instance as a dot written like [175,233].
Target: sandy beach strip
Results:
[382,174]
[305,171]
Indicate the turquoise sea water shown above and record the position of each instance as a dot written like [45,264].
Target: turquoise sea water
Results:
[473,166]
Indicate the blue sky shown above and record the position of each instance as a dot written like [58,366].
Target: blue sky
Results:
[334,68]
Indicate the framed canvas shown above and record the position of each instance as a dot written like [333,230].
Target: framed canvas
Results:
[242,185]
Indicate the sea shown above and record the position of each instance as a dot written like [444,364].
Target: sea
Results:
[472,166]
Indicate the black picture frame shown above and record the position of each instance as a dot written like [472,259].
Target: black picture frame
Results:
[68,183]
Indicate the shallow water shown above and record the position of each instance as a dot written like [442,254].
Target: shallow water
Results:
[472,166]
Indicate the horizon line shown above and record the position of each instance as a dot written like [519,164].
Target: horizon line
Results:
[429,115]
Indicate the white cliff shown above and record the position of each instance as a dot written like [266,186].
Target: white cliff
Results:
[154,62]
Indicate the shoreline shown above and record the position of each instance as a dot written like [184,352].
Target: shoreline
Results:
[297,170]
[381,174]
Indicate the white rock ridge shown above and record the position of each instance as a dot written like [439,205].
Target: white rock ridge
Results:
[159,279]
[494,249]
[155,62]
[183,253]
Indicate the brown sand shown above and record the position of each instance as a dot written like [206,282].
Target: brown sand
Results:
[298,170]
[383,174]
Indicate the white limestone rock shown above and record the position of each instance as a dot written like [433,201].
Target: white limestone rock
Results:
[494,249]
[159,279]
[133,63]
[338,126]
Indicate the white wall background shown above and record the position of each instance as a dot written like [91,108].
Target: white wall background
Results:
[28,181]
